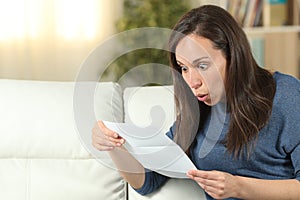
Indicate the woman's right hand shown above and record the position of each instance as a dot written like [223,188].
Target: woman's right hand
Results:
[130,169]
[105,139]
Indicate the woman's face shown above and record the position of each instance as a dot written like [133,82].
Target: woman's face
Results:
[203,68]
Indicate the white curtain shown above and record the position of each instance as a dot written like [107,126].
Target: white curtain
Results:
[49,39]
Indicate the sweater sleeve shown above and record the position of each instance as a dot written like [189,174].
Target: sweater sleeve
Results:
[154,180]
[292,135]
[291,129]
[296,161]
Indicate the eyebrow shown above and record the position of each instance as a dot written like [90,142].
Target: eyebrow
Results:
[196,61]
[179,63]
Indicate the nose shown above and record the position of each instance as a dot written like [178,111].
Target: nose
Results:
[194,79]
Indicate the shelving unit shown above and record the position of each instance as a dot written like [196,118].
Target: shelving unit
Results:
[280,47]
[272,29]
[275,46]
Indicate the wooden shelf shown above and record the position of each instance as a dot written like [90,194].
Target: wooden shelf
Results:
[278,47]
[272,29]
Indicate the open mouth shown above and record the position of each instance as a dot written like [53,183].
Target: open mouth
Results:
[202,97]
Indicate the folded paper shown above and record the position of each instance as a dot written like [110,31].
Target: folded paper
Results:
[154,150]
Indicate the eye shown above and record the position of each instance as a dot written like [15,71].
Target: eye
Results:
[202,66]
[183,68]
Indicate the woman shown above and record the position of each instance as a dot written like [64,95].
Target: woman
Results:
[255,152]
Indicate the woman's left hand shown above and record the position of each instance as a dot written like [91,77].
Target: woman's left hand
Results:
[217,184]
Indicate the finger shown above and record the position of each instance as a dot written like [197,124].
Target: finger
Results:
[107,141]
[116,142]
[101,147]
[213,175]
[213,192]
[206,182]
[105,137]
[209,186]
[101,131]
[205,179]
[107,131]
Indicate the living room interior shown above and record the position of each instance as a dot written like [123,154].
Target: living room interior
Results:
[48,47]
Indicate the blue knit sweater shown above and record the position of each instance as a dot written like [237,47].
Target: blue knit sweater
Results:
[276,154]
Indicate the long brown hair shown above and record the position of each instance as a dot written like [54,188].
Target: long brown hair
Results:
[249,88]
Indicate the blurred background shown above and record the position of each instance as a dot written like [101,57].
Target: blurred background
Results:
[49,39]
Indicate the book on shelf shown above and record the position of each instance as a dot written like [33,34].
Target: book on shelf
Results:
[237,8]
[293,14]
[246,12]
[281,12]
[252,13]
[275,12]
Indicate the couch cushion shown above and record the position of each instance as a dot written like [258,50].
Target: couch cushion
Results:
[150,105]
[146,105]
[59,179]
[175,189]
[45,151]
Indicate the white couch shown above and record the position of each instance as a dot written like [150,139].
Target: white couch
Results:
[45,152]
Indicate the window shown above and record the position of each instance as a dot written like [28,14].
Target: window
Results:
[69,19]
